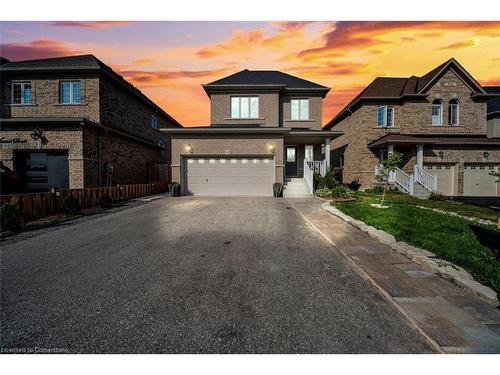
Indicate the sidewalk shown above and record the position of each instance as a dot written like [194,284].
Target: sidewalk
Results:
[447,315]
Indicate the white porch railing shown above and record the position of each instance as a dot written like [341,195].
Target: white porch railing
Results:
[308,176]
[425,179]
[399,177]
[404,180]
[318,166]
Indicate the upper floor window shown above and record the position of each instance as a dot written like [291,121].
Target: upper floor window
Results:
[299,109]
[154,122]
[21,93]
[244,107]
[385,116]
[454,112]
[69,92]
[437,112]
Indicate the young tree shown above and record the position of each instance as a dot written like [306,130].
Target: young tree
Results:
[389,165]
[495,174]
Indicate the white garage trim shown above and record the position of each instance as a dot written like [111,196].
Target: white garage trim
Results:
[228,175]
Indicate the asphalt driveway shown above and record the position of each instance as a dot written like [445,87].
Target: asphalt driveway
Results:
[193,275]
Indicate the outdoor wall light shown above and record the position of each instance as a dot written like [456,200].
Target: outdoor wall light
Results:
[441,154]
[486,154]
[188,149]
[271,148]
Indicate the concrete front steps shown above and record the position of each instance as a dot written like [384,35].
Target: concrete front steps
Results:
[296,188]
[418,190]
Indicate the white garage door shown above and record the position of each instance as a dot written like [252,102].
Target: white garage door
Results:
[478,182]
[445,177]
[224,176]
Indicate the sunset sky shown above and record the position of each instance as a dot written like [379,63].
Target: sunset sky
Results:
[169,61]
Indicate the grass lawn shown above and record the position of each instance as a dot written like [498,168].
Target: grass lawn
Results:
[464,209]
[464,243]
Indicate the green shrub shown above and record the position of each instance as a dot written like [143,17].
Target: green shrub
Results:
[11,218]
[341,192]
[376,189]
[105,201]
[327,181]
[438,197]
[70,205]
[323,192]
[337,174]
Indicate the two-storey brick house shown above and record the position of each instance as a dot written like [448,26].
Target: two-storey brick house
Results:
[437,121]
[265,127]
[73,122]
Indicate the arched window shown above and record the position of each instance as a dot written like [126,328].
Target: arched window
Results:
[454,112]
[437,112]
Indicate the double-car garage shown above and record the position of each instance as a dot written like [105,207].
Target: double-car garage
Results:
[229,176]
[477,181]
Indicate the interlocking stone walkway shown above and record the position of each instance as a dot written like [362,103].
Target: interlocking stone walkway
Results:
[454,319]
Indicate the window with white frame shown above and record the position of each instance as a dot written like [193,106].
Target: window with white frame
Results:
[437,112]
[385,116]
[21,93]
[453,112]
[299,109]
[69,92]
[154,122]
[244,107]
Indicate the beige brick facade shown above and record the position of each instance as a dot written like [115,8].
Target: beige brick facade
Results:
[227,145]
[274,109]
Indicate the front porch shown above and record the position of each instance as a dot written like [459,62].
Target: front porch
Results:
[412,178]
[304,152]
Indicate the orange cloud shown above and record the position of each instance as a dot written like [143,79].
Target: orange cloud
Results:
[89,24]
[238,42]
[459,45]
[143,78]
[36,49]
[357,34]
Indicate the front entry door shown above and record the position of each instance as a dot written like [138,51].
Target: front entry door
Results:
[291,161]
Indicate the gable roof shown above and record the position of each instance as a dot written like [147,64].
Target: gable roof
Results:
[80,63]
[392,88]
[273,79]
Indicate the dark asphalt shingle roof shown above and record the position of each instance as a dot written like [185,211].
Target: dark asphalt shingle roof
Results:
[78,63]
[396,88]
[267,77]
[494,104]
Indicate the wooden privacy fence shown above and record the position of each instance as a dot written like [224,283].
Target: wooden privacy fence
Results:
[37,205]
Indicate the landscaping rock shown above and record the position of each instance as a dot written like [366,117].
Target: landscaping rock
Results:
[422,257]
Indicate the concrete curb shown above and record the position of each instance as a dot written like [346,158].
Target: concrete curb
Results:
[425,258]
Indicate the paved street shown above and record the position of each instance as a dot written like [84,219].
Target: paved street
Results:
[193,275]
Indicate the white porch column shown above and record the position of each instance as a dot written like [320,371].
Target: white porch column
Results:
[327,152]
[420,156]
[390,149]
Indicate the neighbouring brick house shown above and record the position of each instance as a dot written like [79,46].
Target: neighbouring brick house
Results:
[73,122]
[437,121]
